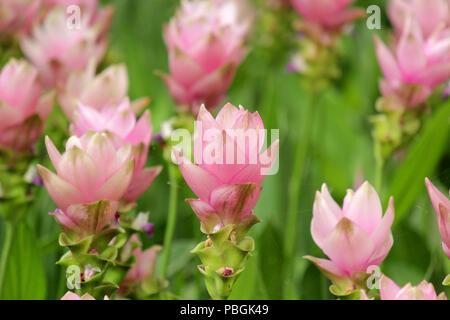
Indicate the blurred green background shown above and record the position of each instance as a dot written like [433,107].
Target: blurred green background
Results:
[341,153]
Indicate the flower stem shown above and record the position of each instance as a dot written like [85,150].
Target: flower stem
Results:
[171,219]
[295,185]
[6,252]
[379,171]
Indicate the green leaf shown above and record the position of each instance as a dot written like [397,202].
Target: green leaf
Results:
[25,276]
[420,162]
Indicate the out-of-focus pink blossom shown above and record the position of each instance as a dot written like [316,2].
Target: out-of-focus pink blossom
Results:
[88,8]
[73,296]
[205,41]
[18,16]
[91,169]
[330,15]
[107,89]
[441,205]
[389,290]
[57,50]
[23,108]
[431,14]
[355,236]
[416,66]
[230,165]
[142,271]
[122,122]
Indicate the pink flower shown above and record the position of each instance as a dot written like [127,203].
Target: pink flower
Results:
[56,50]
[73,296]
[431,14]
[355,236]
[329,15]
[121,121]
[23,108]
[91,169]
[142,271]
[100,17]
[389,290]
[205,41]
[416,66]
[441,205]
[109,88]
[18,16]
[230,165]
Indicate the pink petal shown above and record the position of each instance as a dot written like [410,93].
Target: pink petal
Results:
[116,186]
[387,62]
[141,182]
[388,289]
[62,193]
[348,246]
[235,202]
[365,208]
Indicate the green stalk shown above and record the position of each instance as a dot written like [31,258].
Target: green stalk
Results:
[378,170]
[6,252]
[295,185]
[171,219]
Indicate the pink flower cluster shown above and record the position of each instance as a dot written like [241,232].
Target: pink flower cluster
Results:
[205,41]
[419,60]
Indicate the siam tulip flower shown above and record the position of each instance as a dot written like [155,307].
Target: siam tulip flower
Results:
[18,16]
[205,41]
[355,236]
[57,50]
[92,169]
[431,14]
[121,121]
[389,290]
[330,15]
[90,8]
[228,183]
[441,205]
[73,296]
[416,66]
[23,110]
[109,88]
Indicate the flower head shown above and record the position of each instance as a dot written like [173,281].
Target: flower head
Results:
[205,41]
[23,107]
[416,66]
[441,205]
[330,15]
[57,50]
[355,236]
[92,169]
[230,165]
[389,290]
[430,14]
[122,122]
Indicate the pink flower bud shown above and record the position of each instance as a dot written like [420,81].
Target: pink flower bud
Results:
[330,15]
[441,205]
[416,66]
[205,41]
[389,290]
[142,271]
[122,122]
[23,110]
[431,14]
[18,16]
[91,169]
[56,49]
[355,236]
[230,165]
[109,88]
